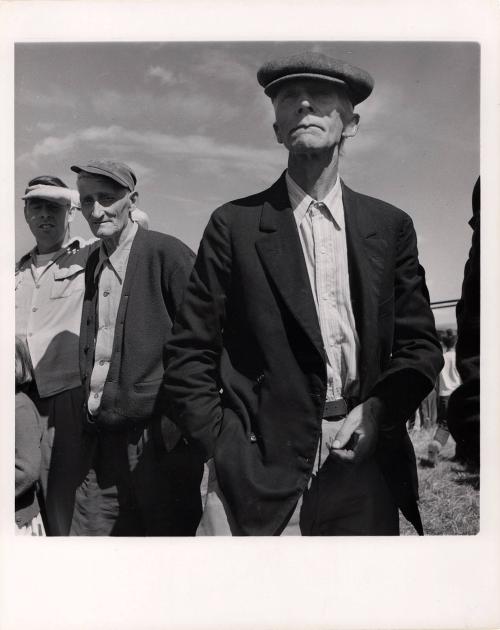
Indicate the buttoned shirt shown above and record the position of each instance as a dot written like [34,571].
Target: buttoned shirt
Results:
[110,271]
[49,297]
[322,235]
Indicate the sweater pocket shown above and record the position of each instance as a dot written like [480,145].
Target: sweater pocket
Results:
[148,387]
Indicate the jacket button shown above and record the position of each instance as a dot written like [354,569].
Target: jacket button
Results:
[86,349]
[253,437]
[259,379]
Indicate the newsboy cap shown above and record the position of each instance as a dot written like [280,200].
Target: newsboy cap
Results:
[312,65]
[118,171]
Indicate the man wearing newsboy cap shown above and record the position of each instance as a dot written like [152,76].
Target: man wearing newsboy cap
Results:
[306,337]
[49,297]
[139,476]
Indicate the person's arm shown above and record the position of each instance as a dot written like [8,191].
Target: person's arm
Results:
[191,383]
[176,278]
[415,363]
[416,357]
[28,456]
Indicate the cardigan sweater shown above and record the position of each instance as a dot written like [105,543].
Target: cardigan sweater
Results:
[157,273]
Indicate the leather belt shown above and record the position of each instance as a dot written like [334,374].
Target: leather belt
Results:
[337,409]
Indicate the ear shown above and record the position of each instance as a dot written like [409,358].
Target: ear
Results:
[352,127]
[277,132]
[26,213]
[71,213]
[133,197]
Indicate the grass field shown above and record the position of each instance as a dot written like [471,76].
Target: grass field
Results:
[449,493]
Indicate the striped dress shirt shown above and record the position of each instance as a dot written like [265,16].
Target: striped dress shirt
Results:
[321,227]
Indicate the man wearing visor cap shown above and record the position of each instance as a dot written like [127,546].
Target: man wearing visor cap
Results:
[139,476]
[306,336]
[49,296]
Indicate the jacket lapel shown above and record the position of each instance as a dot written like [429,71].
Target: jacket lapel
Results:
[280,251]
[365,253]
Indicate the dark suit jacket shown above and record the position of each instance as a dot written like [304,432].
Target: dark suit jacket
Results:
[246,377]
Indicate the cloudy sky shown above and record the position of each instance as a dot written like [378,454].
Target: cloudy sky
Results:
[192,121]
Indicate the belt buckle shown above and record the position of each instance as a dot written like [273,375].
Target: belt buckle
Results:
[335,409]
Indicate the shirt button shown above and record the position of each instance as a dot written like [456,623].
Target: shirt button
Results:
[34,309]
[96,395]
[106,293]
[37,286]
[102,362]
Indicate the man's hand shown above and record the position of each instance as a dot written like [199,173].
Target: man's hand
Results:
[357,436]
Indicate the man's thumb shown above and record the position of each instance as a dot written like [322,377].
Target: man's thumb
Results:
[342,436]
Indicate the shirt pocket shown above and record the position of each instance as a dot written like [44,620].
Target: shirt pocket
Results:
[67,281]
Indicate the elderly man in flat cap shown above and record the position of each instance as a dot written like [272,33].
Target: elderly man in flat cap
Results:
[49,297]
[306,336]
[139,476]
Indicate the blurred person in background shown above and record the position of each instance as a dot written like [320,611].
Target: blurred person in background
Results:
[449,380]
[140,217]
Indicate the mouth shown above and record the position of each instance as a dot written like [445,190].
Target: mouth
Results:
[45,226]
[305,127]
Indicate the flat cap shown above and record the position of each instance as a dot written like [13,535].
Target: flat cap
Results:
[118,171]
[312,65]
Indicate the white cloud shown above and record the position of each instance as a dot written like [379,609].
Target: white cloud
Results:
[118,141]
[173,107]
[166,77]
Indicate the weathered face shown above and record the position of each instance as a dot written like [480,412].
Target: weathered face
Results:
[311,116]
[48,221]
[105,205]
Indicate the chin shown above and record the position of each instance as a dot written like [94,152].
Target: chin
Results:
[103,232]
[306,147]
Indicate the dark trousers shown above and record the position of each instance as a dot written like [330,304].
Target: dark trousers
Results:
[131,486]
[348,500]
[61,416]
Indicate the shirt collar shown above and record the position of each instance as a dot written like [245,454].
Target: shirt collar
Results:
[118,259]
[300,201]
[72,245]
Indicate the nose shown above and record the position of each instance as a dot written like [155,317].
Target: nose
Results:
[305,104]
[97,210]
[46,211]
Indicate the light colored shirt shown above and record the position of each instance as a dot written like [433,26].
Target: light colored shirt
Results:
[322,235]
[49,298]
[110,271]
[449,378]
